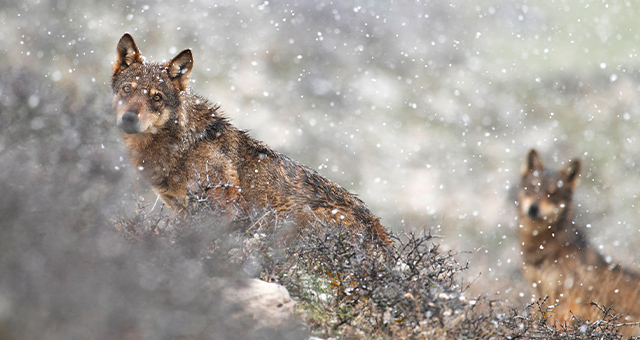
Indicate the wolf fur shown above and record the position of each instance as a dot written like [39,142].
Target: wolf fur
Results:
[184,146]
[558,260]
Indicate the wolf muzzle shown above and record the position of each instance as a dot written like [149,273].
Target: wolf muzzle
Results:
[129,123]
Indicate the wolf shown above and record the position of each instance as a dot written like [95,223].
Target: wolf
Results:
[185,147]
[558,260]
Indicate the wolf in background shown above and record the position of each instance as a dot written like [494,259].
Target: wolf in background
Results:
[557,259]
[184,146]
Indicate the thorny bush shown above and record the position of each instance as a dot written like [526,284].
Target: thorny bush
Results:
[346,291]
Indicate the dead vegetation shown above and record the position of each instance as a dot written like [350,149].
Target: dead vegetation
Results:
[344,291]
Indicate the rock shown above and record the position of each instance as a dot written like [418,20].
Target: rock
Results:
[269,304]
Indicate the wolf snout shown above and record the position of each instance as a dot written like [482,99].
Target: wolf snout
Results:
[534,211]
[129,123]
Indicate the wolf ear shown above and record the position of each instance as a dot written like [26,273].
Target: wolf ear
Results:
[571,173]
[532,163]
[127,53]
[179,69]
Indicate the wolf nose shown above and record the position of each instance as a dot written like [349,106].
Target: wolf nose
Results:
[534,210]
[129,123]
[129,118]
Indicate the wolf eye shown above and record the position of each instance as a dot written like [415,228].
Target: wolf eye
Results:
[157,98]
[126,88]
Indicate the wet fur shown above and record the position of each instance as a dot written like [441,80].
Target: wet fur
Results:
[184,146]
[558,260]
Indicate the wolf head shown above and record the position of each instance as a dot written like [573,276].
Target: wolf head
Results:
[546,194]
[147,95]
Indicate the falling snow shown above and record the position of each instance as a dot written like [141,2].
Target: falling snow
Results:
[424,109]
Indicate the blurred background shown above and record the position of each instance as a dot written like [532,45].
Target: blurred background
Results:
[425,109]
